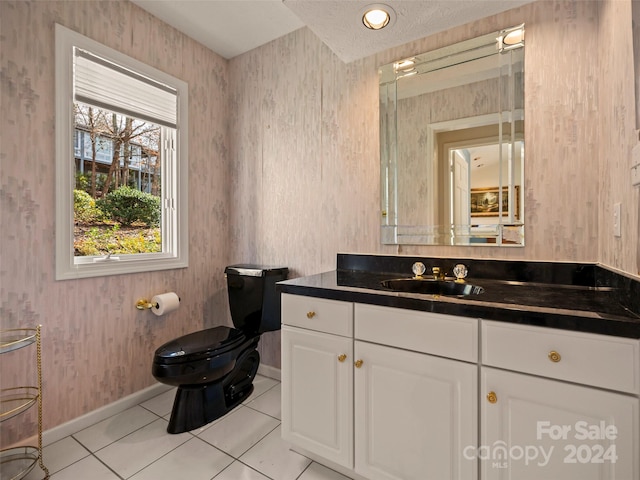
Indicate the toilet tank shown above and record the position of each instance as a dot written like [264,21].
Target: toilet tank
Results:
[253,300]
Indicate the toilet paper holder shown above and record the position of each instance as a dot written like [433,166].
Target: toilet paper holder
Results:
[144,304]
[160,304]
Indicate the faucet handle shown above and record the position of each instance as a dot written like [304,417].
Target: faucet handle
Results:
[418,269]
[460,271]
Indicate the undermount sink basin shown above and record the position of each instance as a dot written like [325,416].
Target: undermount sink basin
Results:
[431,287]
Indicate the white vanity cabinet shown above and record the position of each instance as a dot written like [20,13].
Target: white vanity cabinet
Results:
[383,371]
[558,405]
[317,376]
[414,412]
[414,415]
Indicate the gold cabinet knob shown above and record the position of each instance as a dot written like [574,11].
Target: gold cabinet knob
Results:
[311,314]
[492,397]
[554,356]
[342,357]
[358,363]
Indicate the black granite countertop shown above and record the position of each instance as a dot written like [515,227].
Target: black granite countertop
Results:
[591,301]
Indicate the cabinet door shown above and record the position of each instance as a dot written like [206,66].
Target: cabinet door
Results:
[535,428]
[414,415]
[317,393]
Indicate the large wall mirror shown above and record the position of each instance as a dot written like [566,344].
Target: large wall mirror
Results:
[452,144]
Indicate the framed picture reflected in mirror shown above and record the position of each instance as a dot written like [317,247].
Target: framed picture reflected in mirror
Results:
[485,202]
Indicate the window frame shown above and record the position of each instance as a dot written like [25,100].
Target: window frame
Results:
[174,202]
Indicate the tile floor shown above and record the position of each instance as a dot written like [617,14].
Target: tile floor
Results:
[245,444]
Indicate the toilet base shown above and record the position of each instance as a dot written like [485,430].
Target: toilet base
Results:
[196,405]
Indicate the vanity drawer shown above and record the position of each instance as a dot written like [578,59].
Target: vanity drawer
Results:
[434,333]
[599,360]
[320,314]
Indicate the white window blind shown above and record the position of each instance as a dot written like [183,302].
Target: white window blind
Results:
[103,84]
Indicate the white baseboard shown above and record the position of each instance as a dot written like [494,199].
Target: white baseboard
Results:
[72,426]
[268,371]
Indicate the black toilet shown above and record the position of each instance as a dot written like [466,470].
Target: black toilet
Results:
[214,368]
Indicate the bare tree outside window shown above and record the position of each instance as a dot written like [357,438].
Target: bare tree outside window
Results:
[117,193]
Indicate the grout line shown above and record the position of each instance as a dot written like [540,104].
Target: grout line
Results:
[108,467]
[260,440]
[96,416]
[72,463]
[161,456]
[117,439]
[151,411]
[305,469]
[261,473]
[225,468]
[260,411]
[193,435]
[241,462]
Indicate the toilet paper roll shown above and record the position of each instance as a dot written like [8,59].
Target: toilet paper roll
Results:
[165,303]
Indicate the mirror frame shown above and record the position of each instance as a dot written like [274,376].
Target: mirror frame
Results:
[507,231]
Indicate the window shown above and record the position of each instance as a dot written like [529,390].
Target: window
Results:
[121,163]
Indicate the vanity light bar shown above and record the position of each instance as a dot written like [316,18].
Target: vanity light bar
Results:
[511,38]
[405,65]
[405,68]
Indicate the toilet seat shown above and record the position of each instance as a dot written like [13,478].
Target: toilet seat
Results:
[199,345]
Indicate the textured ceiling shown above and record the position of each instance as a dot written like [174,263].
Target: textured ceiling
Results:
[338,23]
[232,27]
[228,27]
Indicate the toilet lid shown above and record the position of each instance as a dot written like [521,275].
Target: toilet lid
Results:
[201,344]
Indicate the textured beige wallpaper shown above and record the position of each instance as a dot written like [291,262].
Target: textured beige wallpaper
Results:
[97,347]
[617,134]
[304,144]
[284,170]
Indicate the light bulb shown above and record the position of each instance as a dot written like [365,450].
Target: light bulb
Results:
[375,19]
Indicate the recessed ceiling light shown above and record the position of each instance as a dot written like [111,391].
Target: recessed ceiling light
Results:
[377,16]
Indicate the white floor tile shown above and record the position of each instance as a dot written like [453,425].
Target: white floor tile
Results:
[59,455]
[260,385]
[89,467]
[239,431]
[114,428]
[132,453]
[135,445]
[195,460]
[239,471]
[199,430]
[320,472]
[273,457]
[36,474]
[161,404]
[268,402]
